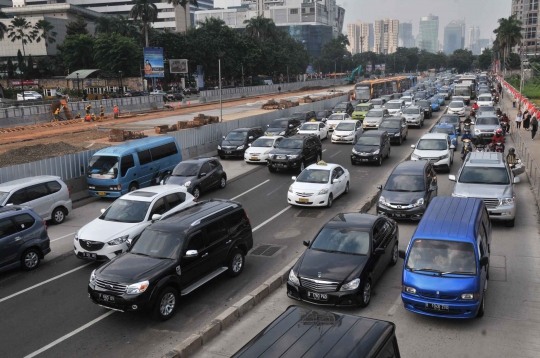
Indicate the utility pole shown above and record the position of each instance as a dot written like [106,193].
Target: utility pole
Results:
[521,80]
[335,70]
[242,75]
[220,96]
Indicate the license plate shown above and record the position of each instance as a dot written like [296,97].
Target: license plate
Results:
[228,152]
[101,193]
[399,215]
[106,298]
[303,200]
[339,111]
[437,307]
[254,158]
[317,296]
[364,160]
[279,165]
[88,255]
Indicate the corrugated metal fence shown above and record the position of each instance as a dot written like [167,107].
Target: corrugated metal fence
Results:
[271,88]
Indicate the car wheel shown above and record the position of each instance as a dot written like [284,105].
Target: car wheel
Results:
[133,187]
[58,216]
[166,303]
[330,200]
[271,169]
[365,293]
[395,255]
[223,182]
[379,163]
[196,192]
[30,259]
[222,157]
[388,154]
[510,223]
[346,189]
[481,309]
[236,263]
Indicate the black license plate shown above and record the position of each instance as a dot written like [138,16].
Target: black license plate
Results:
[364,160]
[228,152]
[317,296]
[106,298]
[437,307]
[399,215]
[280,165]
[88,255]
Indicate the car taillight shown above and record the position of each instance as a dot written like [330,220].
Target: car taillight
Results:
[195,199]
[45,223]
[247,217]
[69,192]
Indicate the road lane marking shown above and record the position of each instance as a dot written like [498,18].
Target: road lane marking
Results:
[276,189]
[324,150]
[272,218]
[247,191]
[62,237]
[333,155]
[44,282]
[70,334]
[395,306]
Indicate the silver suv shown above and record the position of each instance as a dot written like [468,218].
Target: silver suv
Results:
[486,176]
[485,126]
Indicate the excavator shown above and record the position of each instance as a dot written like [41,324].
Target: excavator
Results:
[351,79]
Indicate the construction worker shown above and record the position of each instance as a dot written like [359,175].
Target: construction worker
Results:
[101,113]
[78,116]
[93,116]
[57,114]
[88,108]
[116,112]
[88,118]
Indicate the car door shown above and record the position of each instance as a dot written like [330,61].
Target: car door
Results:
[206,181]
[40,200]
[217,237]
[10,241]
[129,174]
[342,181]
[358,130]
[174,202]
[194,267]
[383,241]
[160,207]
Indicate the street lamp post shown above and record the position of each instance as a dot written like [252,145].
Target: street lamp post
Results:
[78,89]
[335,70]
[121,86]
[220,96]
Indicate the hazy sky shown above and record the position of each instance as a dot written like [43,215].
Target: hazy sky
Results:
[483,13]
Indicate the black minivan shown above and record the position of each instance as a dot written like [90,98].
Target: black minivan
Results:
[237,141]
[174,256]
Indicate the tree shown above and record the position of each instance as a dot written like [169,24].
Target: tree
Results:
[508,35]
[21,30]
[76,52]
[117,53]
[260,28]
[77,27]
[461,60]
[184,4]
[333,54]
[146,11]
[3,27]
[44,30]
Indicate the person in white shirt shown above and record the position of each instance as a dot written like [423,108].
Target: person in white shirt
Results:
[519,119]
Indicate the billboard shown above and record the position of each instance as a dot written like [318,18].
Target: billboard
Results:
[178,66]
[153,62]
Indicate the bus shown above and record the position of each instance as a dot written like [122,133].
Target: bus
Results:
[463,90]
[471,81]
[367,90]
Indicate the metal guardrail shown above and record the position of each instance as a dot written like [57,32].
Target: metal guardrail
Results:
[531,167]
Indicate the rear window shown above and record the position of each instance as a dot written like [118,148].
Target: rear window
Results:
[24,221]
[54,186]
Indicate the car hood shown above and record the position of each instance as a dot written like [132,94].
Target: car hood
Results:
[330,266]
[416,115]
[391,130]
[306,131]
[430,153]
[486,127]
[176,180]
[232,143]
[334,122]
[366,148]
[308,187]
[286,151]
[456,108]
[449,285]
[336,132]
[483,190]
[131,268]
[258,150]
[103,230]
[373,119]
[399,197]
[362,113]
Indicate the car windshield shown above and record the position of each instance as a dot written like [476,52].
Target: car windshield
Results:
[158,244]
[368,141]
[310,127]
[442,256]
[487,121]
[432,144]
[341,106]
[236,136]
[3,196]
[345,240]
[374,114]
[318,176]
[484,98]
[186,170]
[456,104]
[362,108]
[447,130]
[484,175]
[291,143]
[411,111]
[299,115]
[103,167]
[321,114]
[450,119]
[390,125]
[263,142]
[345,127]
[126,211]
[424,103]
[434,100]
[398,182]
[279,123]
[391,105]
[336,117]
[376,102]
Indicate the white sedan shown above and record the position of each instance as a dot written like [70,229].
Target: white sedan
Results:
[457,107]
[320,129]
[335,119]
[484,100]
[318,185]
[347,132]
[259,149]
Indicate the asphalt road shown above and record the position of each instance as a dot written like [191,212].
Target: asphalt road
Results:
[47,313]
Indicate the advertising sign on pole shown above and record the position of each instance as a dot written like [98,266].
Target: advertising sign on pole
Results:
[153,62]
[179,66]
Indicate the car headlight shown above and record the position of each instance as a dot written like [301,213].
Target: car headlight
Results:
[355,151]
[76,237]
[293,156]
[383,201]
[419,202]
[282,133]
[137,288]
[93,278]
[118,240]
[376,152]
[408,289]
[290,189]
[293,278]
[477,131]
[218,147]
[350,134]
[91,187]
[414,156]
[470,296]
[508,201]
[397,134]
[323,191]
[351,285]
[188,183]
[444,157]
[240,147]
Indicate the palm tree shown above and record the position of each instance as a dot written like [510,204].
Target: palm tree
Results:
[45,31]
[260,28]
[147,12]
[184,4]
[508,35]
[21,30]
[3,27]
[104,25]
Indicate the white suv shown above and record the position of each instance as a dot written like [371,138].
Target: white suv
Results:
[111,234]
[435,147]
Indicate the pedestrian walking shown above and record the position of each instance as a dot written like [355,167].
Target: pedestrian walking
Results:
[116,112]
[519,119]
[526,120]
[534,126]
[88,108]
[67,97]
[101,113]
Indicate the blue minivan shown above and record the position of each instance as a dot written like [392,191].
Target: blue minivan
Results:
[446,264]
[116,170]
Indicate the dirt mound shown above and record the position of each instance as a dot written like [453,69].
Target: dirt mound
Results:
[36,152]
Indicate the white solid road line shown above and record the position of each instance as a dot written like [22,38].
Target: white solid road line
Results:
[333,155]
[272,218]
[324,150]
[62,237]
[63,338]
[247,191]
[44,282]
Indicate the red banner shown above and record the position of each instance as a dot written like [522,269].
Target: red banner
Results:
[26,82]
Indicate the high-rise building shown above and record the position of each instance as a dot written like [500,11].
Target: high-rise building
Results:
[526,11]
[454,38]
[406,38]
[428,36]
[371,37]
[386,33]
[358,34]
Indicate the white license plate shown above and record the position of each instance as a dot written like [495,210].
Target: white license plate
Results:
[437,307]
[317,296]
[88,255]
[106,298]
[254,158]
[303,200]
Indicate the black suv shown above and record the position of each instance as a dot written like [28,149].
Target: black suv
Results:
[283,126]
[323,115]
[174,256]
[198,175]
[426,106]
[304,117]
[295,152]
[237,141]
[396,127]
[343,107]
[372,146]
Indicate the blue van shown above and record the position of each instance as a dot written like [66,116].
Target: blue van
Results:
[446,264]
[116,170]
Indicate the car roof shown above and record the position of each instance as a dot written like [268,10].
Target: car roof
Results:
[348,121]
[150,193]
[373,133]
[358,220]
[393,118]
[395,101]
[410,167]
[136,144]
[450,218]
[485,159]
[197,160]
[241,129]
[24,182]
[327,166]
[270,137]
[13,209]
[434,136]
[414,107]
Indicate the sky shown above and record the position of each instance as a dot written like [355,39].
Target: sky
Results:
[482,13]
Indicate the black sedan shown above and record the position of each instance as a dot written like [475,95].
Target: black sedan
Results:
[426,106]
[345,260]
[371,147]
[396,127]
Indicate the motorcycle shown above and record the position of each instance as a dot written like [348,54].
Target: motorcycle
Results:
[480,147]
[505,126]
[496,147]
[518,168]
[466,149]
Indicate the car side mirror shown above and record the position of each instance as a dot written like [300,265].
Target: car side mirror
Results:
[516,180]
[306,243]
[379,251]
[401,254]
[250,137]
[379,187]
[484,261]
[249,144]
[202,175]
[413,146]
[334,181]
[293,178]
[156,217]
[452,177]
[103,211]
[191,253]
[223,137]
[452,146]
